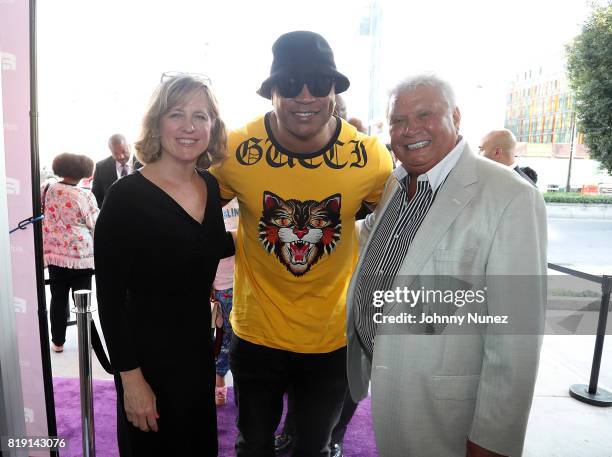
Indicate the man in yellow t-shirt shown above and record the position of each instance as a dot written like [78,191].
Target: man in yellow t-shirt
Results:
[300,175]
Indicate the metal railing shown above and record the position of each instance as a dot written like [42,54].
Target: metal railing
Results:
[591,394]
[83,310]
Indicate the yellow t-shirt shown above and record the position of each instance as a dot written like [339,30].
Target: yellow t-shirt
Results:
[296,243]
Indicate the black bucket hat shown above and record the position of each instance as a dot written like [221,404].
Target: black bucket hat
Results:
[302,53]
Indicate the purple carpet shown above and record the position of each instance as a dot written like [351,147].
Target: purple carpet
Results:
[359,440]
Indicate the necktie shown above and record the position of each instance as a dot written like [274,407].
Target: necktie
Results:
[123,170]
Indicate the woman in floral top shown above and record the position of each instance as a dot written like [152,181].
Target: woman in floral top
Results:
[70,215]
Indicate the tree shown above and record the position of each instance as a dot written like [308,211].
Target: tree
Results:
[589,66]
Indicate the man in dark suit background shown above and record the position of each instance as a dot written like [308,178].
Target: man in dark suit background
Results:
[499,146]
[531,173]
[109,170]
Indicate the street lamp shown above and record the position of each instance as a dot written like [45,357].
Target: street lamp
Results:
[568,187]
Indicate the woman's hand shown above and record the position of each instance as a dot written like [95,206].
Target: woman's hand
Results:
[139,400]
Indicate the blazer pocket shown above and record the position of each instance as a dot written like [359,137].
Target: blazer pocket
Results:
[451,262]
[454,255]
[455,387]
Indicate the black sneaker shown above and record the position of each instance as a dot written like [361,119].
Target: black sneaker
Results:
[283,443]
[336,450]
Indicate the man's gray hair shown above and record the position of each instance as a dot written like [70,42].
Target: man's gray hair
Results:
[117,138]
[429,80]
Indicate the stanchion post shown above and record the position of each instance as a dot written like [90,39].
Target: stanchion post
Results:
[592,395]
[601,333]
[82,301]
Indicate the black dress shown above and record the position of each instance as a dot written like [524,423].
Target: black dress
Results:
[155,266]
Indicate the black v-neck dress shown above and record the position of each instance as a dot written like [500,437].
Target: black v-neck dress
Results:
[155,266]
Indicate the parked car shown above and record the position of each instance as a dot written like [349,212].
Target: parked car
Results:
[605,188]
[552,188]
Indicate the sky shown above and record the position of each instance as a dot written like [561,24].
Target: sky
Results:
[99,62]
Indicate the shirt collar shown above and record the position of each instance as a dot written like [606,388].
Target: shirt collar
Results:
[128,164]
[439,172]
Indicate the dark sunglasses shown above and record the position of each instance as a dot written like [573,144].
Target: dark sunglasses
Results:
[318,85]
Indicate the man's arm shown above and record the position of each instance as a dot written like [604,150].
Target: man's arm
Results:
[511,357]
[220,172]
[380,179]
[381,175]
[364,227]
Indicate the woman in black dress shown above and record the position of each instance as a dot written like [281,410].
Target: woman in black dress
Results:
[158,240]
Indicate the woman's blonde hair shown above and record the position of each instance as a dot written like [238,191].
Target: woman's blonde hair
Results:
[170,93]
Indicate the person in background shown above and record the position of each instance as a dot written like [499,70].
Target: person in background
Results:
[531,174]
[358,124]
[499,146]
[119,164]
[68,226]
[158,242]
[340,109]
[223,290]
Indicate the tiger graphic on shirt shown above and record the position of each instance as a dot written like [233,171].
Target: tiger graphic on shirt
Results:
[300,232]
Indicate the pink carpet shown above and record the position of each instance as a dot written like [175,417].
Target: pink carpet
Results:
[359,440]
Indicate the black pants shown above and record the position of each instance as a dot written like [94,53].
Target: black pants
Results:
[61,280]
[263,374]
[348,410]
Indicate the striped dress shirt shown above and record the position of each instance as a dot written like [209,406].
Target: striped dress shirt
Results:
[387,252]
[390,242]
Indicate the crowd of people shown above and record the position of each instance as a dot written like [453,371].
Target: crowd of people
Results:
[265,221]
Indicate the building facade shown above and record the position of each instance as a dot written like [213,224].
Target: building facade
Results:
[540,111]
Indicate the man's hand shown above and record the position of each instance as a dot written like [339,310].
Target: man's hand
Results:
[473,450]
[139,401]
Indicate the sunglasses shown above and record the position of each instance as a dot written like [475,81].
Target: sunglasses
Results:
[318,85]
[198,76]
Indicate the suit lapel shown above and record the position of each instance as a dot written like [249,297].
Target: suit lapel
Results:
[111,171]
[136,165]
[452,198]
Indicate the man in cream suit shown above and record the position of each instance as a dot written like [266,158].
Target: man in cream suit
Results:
[448,219]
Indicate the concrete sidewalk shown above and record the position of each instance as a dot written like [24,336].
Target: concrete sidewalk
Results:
[560,426]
